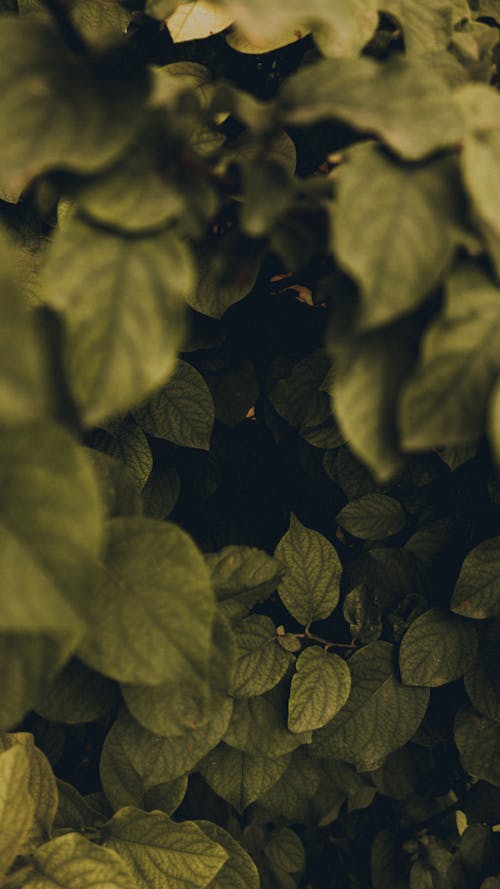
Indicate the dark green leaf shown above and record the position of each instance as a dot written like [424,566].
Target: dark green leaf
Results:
[437,648]
[285,850]
[126,441]
[482,678]
[239,871]
[478,742]
[76,695]
[161,492]
[477,591]
[244,574]
[239,777]
[320,688]
[372,517]
[258,726]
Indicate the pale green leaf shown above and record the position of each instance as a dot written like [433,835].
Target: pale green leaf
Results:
[243,573]
[311,585]
[239,871]
[45,125]
[319,689]
[182,411]
[258,726]
[406,104]
[437,648]
[478,742]
[73,862]
[445,401]
[426,26]
[41,785]
[134,760]
[115,295]
[152,610]
[126,441]
[372,517]
[239,777]
[23,395]
[161,9]
[76,695]
[237,40]
[285,850]
[163,853]
[260,662]
[199,19]
[398,250]
[380,716]
[51,530]
[17,807]
[477,591]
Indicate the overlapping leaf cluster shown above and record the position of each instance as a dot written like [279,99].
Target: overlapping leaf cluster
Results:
[250,439]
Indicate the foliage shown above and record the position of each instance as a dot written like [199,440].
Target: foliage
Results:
[250,439]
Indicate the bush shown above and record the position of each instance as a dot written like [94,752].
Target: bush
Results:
[250,407]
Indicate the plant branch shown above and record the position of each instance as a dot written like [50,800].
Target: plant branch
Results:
[60,13]
[312,636]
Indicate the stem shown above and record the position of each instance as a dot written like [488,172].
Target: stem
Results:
[60,12]
[312,636]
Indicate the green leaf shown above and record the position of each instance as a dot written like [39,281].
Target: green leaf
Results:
[299,398]
[477,591]
[160,9]
[75,863]
[380,715]
[395,267]
[199,19]
[23,397]
[258,726]
[405,104]
[267,191]
[239,871]
[243,573]
[426,27]
[45,125]
[478,742]
[372,517]
[41,785]
[115,295]
[166,797]
[160,852]
[134,760]
[125,440]
[387,862]
[161,492]
[116,484]
[311,586]
[239,777]
[362,612]
[445,401]
[218,287]
[76,695]
[75,811]
[17,807]
[436,649]
[319,689]
[51,530]
[494,421]
[182,412]
[260,662]
[482,678]
[291,796]
[152,610]
[285,850]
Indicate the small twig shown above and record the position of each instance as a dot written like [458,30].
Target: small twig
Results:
[312,636]
[59,11]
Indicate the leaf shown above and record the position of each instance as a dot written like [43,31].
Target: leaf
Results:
[160,9]
[115,295]
[445,401]
[98,21]
[340,27]
[41,785]
[285,850]
[51,530]
[437,648]
[239,871]
[151,613]
[319,689]
[482,678]
[380,715]
[45,125]
[260,662]
[478,742]
[425,27]
[258,726]
[126,441]
[74,811]
[291,796]
[494,421]
[237,40]
[199,19]
[401,251]
[160,852]
[182,412]
[243,573]
[310,588]
[161,492]
[239,777]
[116,484]
[75,863]
[405,104]
[362,612]
[387,862]
[218,287]
[76,695]
[372,517]
[135,760]
[298,397]
[23,396]
[477,591]
[16,805]
[267,191]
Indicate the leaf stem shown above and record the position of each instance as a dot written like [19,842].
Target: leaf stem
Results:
[312,636]
[60,12]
